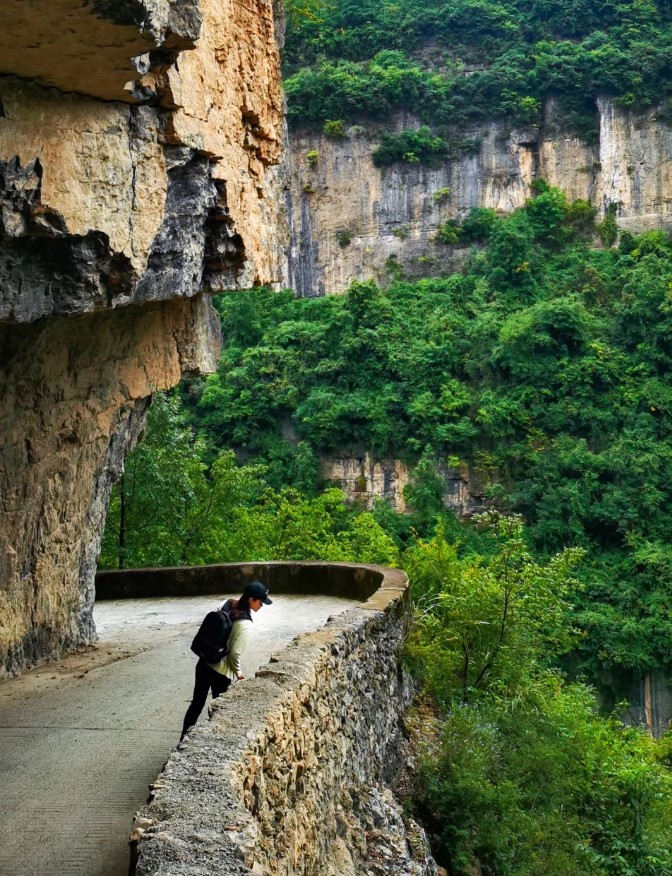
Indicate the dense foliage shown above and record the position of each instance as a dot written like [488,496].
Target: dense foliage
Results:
[517,771]
[419,145]
[465,61]
[545,367]
[177,505]
[519,774]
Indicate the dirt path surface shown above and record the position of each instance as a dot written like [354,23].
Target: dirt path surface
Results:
[81,740]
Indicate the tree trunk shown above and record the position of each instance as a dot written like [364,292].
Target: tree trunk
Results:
[122,521]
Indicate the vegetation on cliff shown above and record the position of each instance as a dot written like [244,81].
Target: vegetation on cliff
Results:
[517,772]
[466,61]
[180,504]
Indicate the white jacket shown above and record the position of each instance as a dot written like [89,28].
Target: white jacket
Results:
[241,632]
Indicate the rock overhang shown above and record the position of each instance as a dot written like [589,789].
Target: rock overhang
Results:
[121,212]
[97,48]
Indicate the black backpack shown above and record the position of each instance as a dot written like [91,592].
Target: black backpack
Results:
[212,639]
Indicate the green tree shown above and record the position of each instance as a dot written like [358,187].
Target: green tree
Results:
[149,518]
[520,774]
[425,490]
[487,621]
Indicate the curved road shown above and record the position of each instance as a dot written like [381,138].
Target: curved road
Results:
[81,740]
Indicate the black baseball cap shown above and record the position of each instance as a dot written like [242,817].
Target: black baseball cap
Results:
[257,590]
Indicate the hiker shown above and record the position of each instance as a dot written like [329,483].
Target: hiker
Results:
[216,677]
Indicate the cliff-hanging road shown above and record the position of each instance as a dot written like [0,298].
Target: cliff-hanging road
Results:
[81,740]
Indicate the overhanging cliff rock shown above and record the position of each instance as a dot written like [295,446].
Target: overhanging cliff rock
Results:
[139,145]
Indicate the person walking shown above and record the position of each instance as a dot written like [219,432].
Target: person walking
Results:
[217,677]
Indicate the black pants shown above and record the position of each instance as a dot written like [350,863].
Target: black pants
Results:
[206,680]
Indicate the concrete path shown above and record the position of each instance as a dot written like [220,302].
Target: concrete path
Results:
[81,740]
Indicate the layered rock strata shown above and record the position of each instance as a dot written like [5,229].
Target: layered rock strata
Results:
[352,221]
[290,774]
[139,145]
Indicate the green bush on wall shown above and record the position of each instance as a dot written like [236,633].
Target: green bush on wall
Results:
[420,146]
[334,129]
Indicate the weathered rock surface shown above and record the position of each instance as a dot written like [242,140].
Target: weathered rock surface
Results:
[364,478]
[391,215]
[121,206]
[75,392]
[88,46]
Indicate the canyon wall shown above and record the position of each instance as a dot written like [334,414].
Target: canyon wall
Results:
[352,221]
[139,151]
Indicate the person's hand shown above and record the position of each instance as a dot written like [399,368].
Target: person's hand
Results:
[240,676]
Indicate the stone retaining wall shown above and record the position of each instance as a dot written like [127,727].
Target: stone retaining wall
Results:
[289,774]
[329,579]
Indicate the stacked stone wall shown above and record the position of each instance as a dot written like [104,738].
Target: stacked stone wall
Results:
[291,773]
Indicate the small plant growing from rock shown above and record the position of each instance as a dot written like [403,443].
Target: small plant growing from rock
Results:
[393,268]
[441,195]
[309,189]
[334,128]
[608,227]
[402,231]
[312,158]
[448,232]
[529,109]
[344,238]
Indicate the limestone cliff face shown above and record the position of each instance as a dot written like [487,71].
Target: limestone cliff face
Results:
[139,144]
[390,215]
[363,478]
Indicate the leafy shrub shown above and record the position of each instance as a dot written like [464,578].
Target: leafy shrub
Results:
[441,195]
[449,232]
[608,227]
[420,145]
[312,158]
[334,129]
[478,224]
[506,725]
[581,216]
[393,268]
[547,212]
[410,146]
